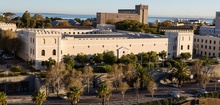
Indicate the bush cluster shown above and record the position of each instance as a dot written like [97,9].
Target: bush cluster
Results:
[210,95]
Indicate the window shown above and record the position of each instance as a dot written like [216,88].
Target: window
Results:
[130,45]
[44,41]
[43,53]
[142,44]
[209,54]
[214,42]
[55,40]
[205,47]
[117,46]
[201,46]
[189,38]
[33,40]
[188,47]
[30,50]
[54,52]
[197,40]
[202,41]
[210,42]
[182,38]
[205,41]
[213,54]
[103,46]
[33,52]
[61,52]
[88,46]
[194,39]
[209,47]
[201,53]
[181,47]
[213,47]
[205,53]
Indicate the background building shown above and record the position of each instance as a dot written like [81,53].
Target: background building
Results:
[140,13]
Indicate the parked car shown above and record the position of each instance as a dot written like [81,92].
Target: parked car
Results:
[173,94]
[174,85]
[6,56]
[201,91]
[63,96]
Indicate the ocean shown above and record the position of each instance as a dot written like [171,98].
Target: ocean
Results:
[84,17]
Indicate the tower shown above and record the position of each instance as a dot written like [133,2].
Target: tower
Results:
[217,23]
[142,11]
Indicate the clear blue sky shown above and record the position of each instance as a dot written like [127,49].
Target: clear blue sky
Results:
[168,8]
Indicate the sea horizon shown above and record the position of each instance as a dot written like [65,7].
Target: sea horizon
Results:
[151,19]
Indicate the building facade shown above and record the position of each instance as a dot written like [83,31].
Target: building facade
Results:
[7,26]
[41,44]
[140,13]
[207,45]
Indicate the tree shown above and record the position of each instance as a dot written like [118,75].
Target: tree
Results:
[88,74]
[38,97]
[38,17]
[130,73]
[123,87]
[104,92]
[185,56]
[163,55]
[86,23]
[69,62]
[98,58]
[110,21]
[136,86]
[151,87]
[74,78]
[8,16]
[64,23]
[180,72]
[49,63]
[3,98]
[74,94]
[109,57]
[116,73]
[81,58]
[26,17]
[78,20]
[55,76]
[9,41]
[165,24]
[129,58]
[144,76]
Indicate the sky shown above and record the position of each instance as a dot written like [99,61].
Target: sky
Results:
[165,8]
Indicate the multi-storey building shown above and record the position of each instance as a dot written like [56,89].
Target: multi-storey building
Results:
[207,45]
[140,13]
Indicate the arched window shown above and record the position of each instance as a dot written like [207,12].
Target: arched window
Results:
[55,41]
[54,52]
[43,53]
[44,41]
[188,47]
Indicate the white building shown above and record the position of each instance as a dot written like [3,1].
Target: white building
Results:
[207,45]
[7,26]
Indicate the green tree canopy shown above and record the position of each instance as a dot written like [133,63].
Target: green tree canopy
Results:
[104,92]
[38,97]
[98,58]
[64,23]
[3,98]
[74,94]
[81,58]
[26,17]
[69,62]
[185,56]
[109,57]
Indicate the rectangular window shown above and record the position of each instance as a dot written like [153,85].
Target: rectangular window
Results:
[181,47]
[201,46]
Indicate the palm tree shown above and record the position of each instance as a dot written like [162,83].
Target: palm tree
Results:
[3,98]
[104,92]
[180,72]
[163,55]
[74,94]
[38,98]
[144,77]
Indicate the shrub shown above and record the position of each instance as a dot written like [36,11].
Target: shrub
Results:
[16,69]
